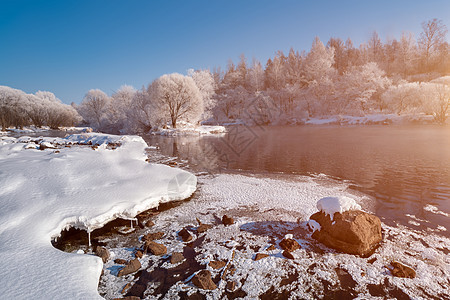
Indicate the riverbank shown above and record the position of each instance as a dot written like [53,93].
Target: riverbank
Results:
[81,181]
[244,256]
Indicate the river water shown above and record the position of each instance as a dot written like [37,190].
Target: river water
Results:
[405,169]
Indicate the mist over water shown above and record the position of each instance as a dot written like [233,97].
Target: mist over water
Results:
[406,169]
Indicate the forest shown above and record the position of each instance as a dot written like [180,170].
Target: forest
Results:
[404,76]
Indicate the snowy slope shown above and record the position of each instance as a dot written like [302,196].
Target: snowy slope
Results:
[43,192]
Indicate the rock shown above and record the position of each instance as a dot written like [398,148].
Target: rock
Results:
[185,235]
[400,270]
[128,298]
[125,288]
[131,267]
[203,227]
[288,254]
[155,248]
[203,280]
[372,260]
[149,223]
[259,256]
[139,254]
[176,257]
[103,253]
[271,248]
[153,236]
[353,232]
[289,245]
[231,286]
[120,261]
[227,220]
[217,264]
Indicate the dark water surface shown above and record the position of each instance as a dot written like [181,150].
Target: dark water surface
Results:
[404,168]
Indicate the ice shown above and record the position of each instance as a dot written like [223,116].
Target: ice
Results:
[332,205]
[265,211]
[313,225]
[44,192]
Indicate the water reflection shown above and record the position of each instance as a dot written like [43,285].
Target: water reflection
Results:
[405,168]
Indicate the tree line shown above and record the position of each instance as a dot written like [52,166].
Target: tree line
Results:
[18,109]
[403,76]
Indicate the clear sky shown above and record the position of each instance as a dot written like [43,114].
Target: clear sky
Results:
[68,47]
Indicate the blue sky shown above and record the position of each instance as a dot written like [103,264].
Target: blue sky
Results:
[68,47]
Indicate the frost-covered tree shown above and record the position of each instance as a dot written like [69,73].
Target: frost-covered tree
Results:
[404,97]
[13,108]
[319,62]
[256,76]
[206,84]
[95,107]
[176,97]
[362,87]
[119,112]
[431,39]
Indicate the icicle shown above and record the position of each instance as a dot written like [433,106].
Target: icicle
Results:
[131,223]
[89,237]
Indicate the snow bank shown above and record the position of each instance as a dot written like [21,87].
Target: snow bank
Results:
[332,205]
[190,129]
[43,192]
[379,119]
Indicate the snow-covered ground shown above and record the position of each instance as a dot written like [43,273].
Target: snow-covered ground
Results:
[384,119]
[265,210]
[184,128]
[34,129]
[84,181]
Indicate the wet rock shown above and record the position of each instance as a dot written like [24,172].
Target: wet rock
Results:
[217,264]
[259,256]
[149,223]
[203,280]
[137,290]
[203,227]
[120,261]
[131,267]
[128,298]
[139,254]
[125,288]
[176,257]
[231,286]
[289,245]
[353,232]
[271,248]
[153,236]
[372,260]
[227,220]
[155,248]
[185,235]
[103,253]
[400,270]
[288,254]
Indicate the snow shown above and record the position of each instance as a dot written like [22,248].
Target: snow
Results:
[384,119]
[265,211]
[313,225]
[44,192]
[332,205]
[184,128]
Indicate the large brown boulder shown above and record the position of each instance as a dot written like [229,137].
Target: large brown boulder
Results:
[353,232]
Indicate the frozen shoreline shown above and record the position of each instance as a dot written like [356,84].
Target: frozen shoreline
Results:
[265,210]
[82,181]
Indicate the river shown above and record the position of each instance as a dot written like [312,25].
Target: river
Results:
[405,169]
